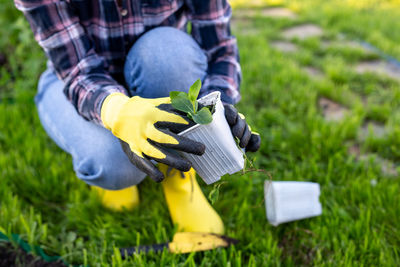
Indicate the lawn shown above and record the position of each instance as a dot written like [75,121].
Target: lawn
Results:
[321,118]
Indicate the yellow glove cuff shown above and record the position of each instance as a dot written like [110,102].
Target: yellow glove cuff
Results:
[111,107]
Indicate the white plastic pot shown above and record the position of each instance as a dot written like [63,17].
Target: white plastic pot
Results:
[291,201]
[222,155]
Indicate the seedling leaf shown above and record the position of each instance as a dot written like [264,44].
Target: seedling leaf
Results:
[174,94]
[182,103]
[214,193]
[194,90]
[187,102]
[203,116]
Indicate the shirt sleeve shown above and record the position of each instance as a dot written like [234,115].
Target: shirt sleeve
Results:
[211,29]
[71,52]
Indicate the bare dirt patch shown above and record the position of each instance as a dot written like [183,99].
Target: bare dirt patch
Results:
[3,59]
[296,245]
[9,256]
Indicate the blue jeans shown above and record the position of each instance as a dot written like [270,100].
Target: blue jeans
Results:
[162,60]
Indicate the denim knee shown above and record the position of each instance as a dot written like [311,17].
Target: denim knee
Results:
[108,170]
[162,60]
[97,155]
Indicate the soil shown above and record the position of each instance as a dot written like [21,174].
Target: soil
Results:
[297,245]
[3,59]
[9,256]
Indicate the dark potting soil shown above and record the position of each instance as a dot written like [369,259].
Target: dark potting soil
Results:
[10,257]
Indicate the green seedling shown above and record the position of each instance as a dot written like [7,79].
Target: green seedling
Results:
[187,102]
[214,193]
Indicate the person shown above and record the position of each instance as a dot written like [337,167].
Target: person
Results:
[111,66]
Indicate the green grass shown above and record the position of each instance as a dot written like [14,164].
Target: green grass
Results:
[43,201]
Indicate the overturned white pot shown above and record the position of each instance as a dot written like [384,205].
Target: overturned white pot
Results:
[222,155]
[290,201]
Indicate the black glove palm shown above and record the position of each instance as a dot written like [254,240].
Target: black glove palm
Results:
[172,158]
[241,130]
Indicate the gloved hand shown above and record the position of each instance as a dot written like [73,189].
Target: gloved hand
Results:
[240,129]
[146,128]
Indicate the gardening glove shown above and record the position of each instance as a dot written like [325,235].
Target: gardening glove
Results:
[146,129]
[241,130]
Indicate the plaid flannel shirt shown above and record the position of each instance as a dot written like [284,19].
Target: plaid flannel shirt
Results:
[87,41]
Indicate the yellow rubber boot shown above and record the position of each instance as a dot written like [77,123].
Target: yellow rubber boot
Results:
[187,204]
[117,200]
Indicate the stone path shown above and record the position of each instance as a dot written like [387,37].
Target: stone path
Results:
[302,32]
[354,150]
[379,67]
[345,43]
[274,12]
[313,72]
[331,110]
[284,46]
[388,168]
[278,12]
[377,129]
